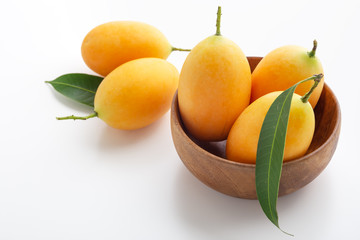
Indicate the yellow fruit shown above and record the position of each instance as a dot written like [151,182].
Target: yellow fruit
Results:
[214,87]
[243,138]
[111,44]
[136,93]
[282,68]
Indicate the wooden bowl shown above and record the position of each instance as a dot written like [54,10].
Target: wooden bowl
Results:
[207,162]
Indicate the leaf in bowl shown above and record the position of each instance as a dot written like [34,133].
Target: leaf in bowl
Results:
[270,150]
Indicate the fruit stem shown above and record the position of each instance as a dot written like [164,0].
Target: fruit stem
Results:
[78,118]
[218,19]
[316,79]
[313,51]
[180,49]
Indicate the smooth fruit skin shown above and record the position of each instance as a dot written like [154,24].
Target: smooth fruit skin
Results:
[136,93]
[111,44]
[282,68]
[242,142]
[214,88]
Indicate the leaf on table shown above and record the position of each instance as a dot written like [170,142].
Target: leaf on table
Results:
[79,87]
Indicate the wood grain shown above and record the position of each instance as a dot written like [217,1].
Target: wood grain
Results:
[206,160]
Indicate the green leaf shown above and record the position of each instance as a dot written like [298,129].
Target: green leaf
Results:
[78,87]
[270,151]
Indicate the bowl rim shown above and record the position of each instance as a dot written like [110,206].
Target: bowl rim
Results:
[175,109]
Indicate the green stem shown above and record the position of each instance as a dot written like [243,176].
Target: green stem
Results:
[316,79]
[218,19]
[313,51]
[78,118]
[180,49]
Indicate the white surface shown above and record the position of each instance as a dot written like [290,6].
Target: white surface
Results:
[85,180]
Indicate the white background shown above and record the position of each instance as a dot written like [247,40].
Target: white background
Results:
[85,180]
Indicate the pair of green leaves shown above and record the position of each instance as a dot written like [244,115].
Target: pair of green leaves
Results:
[270,151]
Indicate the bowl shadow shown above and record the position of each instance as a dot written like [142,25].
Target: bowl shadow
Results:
[218,216]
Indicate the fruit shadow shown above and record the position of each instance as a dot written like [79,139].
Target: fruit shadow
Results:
[112,138]
[211,213]
[75,106]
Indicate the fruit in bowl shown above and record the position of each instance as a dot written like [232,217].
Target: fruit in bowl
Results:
[207,160]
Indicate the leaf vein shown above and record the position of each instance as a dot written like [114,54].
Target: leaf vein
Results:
[73,86]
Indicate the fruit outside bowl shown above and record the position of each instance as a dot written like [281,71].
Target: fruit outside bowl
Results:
[207,162]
